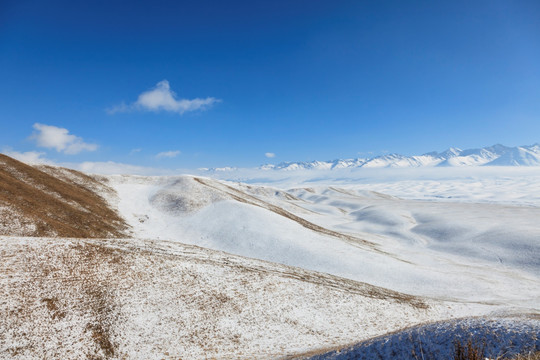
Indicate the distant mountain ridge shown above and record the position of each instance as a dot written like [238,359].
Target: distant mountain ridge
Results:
[496,155]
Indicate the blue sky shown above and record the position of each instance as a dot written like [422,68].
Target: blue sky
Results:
[187,84]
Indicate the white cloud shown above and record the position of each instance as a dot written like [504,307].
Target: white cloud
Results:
[114,168]
[122,107]
[29,157]
[162,98]
[134,151]
[93,167]
[269,155]
[52,137]
[168,154]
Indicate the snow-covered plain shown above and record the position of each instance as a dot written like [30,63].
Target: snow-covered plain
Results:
[502,185]
[477,240]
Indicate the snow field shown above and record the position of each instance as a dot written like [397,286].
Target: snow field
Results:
[142,299]
[448,251]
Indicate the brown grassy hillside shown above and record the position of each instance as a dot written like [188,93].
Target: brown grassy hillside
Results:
[53,202]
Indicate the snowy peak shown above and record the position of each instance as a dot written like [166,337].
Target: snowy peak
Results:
[496,155]
[452,152]
[519,156]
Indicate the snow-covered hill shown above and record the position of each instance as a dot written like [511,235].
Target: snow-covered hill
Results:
[447,251]
[215,268]
[498,337]
[142,299]
[496,155]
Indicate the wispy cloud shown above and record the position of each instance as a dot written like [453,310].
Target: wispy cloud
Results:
[52,137]
[111,168]
[168,154]
[162,98]
[270,155]
[135,151]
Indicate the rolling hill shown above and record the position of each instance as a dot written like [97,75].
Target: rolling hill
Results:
[187,266]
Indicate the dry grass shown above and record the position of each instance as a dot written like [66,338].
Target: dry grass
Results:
[476,351]
[53,206]
[530,356]
[469,351]
[65,286]
[132,298]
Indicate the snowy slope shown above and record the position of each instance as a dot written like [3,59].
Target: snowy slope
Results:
[135,299]
[496,155]
[500,337]
[519,156]
[448,251]
[355,253]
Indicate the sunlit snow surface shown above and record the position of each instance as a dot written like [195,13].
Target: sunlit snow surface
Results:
[154,299]
[467,234]
[495,184]
[466,241]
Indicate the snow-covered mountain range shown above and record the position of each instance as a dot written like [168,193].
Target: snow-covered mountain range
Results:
[496,155]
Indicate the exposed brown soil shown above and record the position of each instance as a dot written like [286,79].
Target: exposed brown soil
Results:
[35,203]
